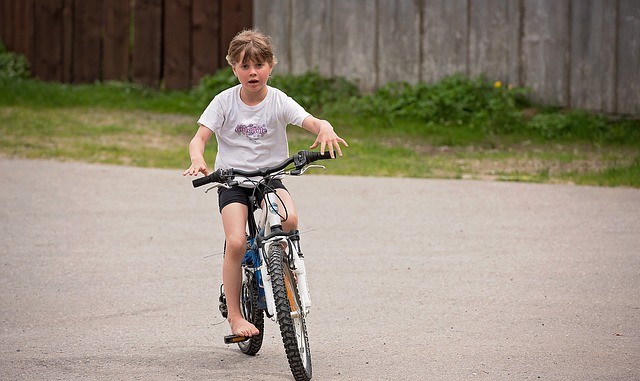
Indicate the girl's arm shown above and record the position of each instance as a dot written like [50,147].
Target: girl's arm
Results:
[196,152]
[326,137]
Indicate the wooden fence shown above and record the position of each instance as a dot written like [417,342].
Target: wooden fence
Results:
[572,53]
[151,42]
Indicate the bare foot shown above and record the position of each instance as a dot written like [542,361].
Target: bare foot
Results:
[241,327]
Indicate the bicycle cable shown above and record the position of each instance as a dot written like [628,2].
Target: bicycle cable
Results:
[269,188]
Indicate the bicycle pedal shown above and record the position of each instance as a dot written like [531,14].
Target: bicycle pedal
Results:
[232,339]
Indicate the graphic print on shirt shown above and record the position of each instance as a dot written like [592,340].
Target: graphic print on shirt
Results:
[252,131]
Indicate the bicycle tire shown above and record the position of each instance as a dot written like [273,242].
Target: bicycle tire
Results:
[292,325]
[251,312]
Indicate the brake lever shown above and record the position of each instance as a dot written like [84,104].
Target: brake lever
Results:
[217,185]
[312,166]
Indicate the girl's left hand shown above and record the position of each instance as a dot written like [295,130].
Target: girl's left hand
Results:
[328,139]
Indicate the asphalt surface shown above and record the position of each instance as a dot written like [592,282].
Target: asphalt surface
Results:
[112,273]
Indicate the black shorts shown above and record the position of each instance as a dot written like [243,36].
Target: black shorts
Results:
[241,195]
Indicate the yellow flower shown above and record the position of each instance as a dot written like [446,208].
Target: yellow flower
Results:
[497,84]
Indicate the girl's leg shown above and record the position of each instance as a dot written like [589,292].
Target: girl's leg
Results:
[234,221]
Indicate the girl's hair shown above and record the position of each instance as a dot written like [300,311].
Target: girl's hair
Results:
[255,46]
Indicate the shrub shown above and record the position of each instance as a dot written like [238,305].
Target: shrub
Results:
[582,125]
[453,100]
[211,85]
[12,65]
[313,91]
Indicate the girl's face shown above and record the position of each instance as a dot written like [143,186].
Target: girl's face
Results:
[252,75]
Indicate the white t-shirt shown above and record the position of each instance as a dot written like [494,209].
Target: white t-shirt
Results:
[251,137]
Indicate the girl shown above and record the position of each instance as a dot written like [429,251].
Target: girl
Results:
[249,121]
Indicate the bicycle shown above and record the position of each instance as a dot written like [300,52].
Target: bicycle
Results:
[274,276]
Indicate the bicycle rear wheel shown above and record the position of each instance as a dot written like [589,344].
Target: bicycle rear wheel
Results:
[251,312]
[290,314]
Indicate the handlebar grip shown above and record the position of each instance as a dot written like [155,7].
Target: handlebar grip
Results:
[313,156]
[220,175]
[200,181]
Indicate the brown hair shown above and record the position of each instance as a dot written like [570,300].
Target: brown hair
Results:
[255,46]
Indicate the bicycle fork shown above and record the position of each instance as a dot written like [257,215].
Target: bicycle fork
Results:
[296,262]
[300,272]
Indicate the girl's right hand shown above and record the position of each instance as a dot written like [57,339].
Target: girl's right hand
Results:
[196,152]
[197,165]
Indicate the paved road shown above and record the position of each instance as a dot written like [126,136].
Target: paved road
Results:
[111,273]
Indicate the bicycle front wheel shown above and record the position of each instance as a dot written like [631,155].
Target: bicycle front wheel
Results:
[290,314]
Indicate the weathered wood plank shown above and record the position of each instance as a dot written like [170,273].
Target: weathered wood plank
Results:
[444,39]
[628,58]
[177,44]
[206,50]
[491,25]
[593,55]
[67,41]
[514,44]
[47,29]
[19,25]
[7,15]
[260,9]
[236,16]
[87,55]
[23,30]
[398,42]
[4,21]
[273,18]
[147,45]
[116,40]
[354,42]
[546,50]
[311,47]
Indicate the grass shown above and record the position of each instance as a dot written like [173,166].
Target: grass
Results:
[623,174]
[110,95]
[125,124]
[139,138]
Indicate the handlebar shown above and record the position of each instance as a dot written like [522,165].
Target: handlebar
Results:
[299,160]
